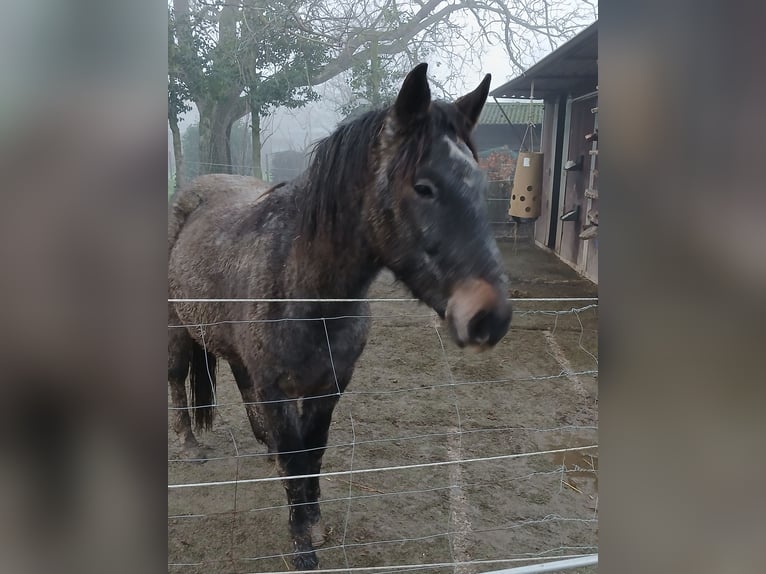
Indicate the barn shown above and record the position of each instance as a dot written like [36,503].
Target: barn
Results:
[566,80]
[499,134]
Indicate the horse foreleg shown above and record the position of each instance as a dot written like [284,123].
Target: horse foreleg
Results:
[315,423]
[283,421]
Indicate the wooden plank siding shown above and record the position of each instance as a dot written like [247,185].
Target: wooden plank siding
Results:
[574,183]
[590,261]
[543,223]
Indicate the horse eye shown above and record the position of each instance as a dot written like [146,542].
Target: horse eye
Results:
[424,190]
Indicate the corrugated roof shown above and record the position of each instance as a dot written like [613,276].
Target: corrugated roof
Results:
[517,112]
[572,68]
[491,114]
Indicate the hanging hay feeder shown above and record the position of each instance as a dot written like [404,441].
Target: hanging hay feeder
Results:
[526,193]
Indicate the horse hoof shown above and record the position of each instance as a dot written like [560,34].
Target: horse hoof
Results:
[306,561]
[319,533]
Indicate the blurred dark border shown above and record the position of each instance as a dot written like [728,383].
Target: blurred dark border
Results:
[83,139]
[682,283]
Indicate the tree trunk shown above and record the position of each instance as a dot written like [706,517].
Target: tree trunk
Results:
[256,126]
[243,167]
[215,122]
[375,74]
[177,150]
[214,149]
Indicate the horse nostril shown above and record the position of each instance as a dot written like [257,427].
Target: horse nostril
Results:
[479,327]
[488,326]
[478,314]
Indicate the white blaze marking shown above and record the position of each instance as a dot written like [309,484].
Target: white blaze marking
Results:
[460,152]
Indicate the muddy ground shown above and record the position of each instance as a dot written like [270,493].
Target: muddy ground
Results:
[416,398]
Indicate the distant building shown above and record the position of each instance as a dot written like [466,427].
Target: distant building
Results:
[499,134]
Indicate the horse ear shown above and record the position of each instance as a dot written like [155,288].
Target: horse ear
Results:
[414,98]
[471,104]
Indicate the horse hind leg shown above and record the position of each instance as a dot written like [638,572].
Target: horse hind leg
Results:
[254,411]
[179,360]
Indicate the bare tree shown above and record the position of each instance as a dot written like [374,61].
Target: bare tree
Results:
[241,56]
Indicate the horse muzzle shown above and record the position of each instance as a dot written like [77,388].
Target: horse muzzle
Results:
[478,314]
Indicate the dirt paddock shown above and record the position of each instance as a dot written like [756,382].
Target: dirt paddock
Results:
[415,399]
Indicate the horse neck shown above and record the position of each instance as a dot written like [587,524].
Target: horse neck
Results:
[334,257]
[334,267]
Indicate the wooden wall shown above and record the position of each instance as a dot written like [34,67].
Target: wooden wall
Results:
[543,223]
[568,245]
[590,261]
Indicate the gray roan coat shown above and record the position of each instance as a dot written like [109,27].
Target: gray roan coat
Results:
[398,188]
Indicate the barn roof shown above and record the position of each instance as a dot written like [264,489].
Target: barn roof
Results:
[491,114]
[571,68]
[517,112]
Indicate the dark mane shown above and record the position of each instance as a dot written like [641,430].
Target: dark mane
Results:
[345,163]
[340,164]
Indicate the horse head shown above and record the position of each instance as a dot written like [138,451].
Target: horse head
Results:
[428,212]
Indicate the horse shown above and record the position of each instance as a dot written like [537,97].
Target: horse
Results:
[398,188]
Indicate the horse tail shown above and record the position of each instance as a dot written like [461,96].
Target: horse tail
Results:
[183,203]
[202,378]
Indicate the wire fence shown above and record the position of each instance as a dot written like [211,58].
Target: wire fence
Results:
[438,460]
